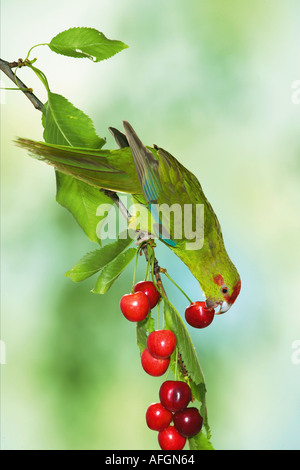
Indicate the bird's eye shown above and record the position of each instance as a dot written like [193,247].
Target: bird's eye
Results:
[224,290]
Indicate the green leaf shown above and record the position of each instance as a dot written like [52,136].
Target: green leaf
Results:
[82,200]
[112,270]
[96,260]
[65,124]
[85,43]
[200,442]
[143,329]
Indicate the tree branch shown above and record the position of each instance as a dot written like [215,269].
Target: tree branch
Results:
[6,67]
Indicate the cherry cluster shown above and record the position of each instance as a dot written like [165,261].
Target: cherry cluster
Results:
[174,398]
[161,344]
[174,395]
[136,305]
[155,358]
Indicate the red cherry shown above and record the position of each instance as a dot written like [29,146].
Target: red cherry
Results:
[157,417]
[175,395]
[198,315]
[161,343]
[153,366]
[135,307]
[170,439]
[188,422]
[148,287]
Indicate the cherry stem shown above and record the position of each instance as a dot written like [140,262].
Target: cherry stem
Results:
[163,319]
[135,269]
[157,317]
[175,284]
[155,270]
[147,270]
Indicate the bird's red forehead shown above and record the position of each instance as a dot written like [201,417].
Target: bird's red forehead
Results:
[219,280]
[236,290]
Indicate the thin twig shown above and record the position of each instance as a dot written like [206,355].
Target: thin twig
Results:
[6,67]
[156,269]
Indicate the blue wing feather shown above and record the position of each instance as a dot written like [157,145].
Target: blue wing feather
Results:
[147,170]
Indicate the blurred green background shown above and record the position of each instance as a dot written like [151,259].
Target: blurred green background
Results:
[210,81]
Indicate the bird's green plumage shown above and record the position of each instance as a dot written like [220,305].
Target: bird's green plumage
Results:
[212,259]
[151,175]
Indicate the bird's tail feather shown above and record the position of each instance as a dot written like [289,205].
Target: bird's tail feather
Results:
[119,137]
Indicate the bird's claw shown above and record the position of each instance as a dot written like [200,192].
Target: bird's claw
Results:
[144,237]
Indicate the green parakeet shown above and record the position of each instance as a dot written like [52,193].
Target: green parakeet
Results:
[156,179]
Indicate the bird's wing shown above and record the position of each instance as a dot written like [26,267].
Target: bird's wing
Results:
[109,169]
[161,182]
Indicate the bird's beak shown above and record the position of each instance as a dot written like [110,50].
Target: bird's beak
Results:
[225,306]
[210,303]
